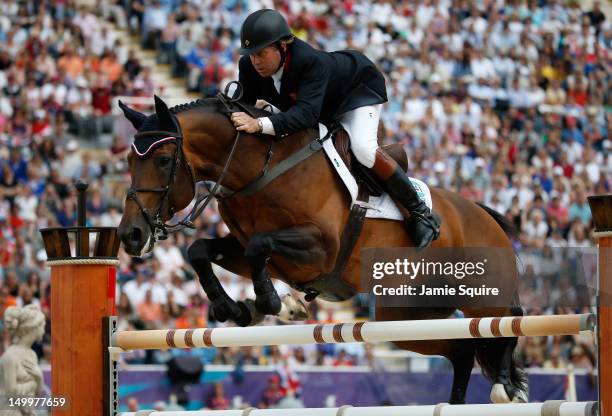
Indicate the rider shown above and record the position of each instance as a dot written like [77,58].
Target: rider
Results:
[311,86]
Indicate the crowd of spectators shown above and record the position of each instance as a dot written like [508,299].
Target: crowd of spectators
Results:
[504,102]
[60,67]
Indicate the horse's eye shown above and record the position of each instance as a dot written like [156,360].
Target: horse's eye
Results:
[164,161]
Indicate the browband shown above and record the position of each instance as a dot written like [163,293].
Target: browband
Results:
[146,141]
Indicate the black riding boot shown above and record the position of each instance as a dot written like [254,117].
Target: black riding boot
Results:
[423,224]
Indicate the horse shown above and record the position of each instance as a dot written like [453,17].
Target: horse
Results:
[291,228]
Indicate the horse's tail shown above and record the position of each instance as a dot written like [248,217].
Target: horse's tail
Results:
[506,225]
[489,352]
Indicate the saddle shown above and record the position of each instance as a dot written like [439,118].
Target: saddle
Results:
[361,173]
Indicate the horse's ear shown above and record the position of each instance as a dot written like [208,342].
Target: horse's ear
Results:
[163,115]
[135,117]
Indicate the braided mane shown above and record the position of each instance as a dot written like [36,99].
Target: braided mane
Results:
[200,102]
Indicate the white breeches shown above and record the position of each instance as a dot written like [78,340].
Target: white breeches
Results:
[361,124]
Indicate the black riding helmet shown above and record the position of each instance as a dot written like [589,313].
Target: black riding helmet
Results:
[262,28]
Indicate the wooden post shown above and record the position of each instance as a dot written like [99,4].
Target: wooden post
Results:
[80,299]
[82,294]
[601,208]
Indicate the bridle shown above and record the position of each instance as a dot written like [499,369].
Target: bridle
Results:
[159,228]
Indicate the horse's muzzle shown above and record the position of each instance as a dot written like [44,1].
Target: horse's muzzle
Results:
[136,239]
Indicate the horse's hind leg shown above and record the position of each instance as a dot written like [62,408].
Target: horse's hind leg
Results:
[301,244]
[510,383]
[496,358]
[460,352]
[462,359]
[228,253]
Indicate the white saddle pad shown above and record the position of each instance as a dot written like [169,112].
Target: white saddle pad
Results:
[378,206]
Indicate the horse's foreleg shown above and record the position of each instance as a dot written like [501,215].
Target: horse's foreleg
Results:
[300,244]
[221,251]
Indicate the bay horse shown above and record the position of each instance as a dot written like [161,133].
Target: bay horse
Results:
[296,222]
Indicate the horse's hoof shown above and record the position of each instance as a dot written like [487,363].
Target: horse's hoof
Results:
[507,393]
[255,316]
[245,317]
[218,313]
[293,309]
[499,394]
[268,303]
[224,310]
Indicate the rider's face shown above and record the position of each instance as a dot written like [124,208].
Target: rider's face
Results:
[266,61]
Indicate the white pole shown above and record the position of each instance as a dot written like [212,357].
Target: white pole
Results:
[570,394]
[549,408]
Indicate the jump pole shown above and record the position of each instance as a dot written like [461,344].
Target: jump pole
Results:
[82,294]
[429,329]
[548,408]
[601,209]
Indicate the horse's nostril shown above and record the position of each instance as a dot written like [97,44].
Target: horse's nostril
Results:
[135,235]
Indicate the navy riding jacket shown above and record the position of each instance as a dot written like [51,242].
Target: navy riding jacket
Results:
[316,86]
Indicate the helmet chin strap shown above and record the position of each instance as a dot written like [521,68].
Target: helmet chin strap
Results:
[283,54]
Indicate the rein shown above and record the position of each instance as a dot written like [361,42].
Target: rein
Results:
[159,228]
